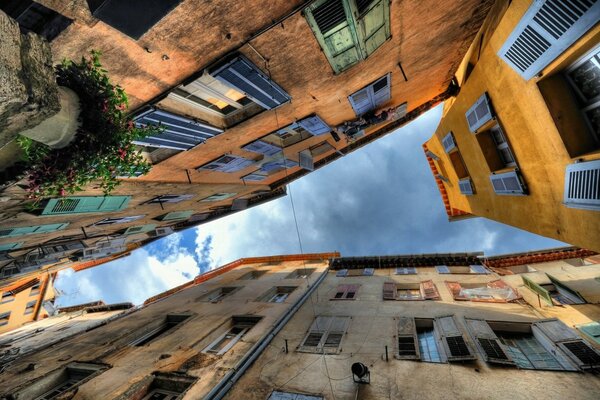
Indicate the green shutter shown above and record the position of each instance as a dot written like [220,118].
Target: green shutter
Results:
[538,289]
[558,283]
[28,230]
[10,246]
[76,205]
[133,230]
[592,330]
[176,215]
[374,26]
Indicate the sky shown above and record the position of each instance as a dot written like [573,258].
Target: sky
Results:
[381,199]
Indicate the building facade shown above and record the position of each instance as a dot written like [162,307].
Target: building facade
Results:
[291,327]
[250,97]
[520,143]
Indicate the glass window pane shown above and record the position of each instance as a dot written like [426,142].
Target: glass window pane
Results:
[586,78]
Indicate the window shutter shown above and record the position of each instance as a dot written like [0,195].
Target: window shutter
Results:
[546,30]
[10,246]
[313,340]
[351,292]
[179,133]
[574,295]
[442,269]
[361,101]
[406,270]
[592,330]
[372,96]
[508,183]
[455,288]
[582,185]
[306,160]
[429,290]
[465,186]
[478,269]
[76,205]
[176,215]
[408,345]
[239,204]
[448,142]
[262,147]
[455,345]
[389,291]
[333,339]
[537,289]
[578,351]
[479,113]
[132,230]
[368,271]
[314,125]
[341,272]
[486,340]
[373,24]
[241,74]
[227,163]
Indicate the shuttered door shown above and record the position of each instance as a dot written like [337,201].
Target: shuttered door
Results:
[314,125]
[389,291]
[582,185]
[455,345]
[448,142]
[480,113]
[241,74]
[408,346]
[508,183]
[465,186]
[546,30]
[306,160]
[544,294]
[179,133]
[486,340]
[374,24]
[76,205]
[429,290]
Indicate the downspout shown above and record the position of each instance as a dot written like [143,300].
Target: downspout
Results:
[221,389]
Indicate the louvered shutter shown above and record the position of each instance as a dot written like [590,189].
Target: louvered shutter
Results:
[373,24]
[361,101]
[263,147]
[314,125]
[455,288]
[442,269]
[239,204]
[448,142]
[306,160]
[176,215]
[582,185]
[314,338]
[455,345]
[487,342]
[372,96]
[429,290]
[332,24]
[480,113]
[574,295]
[508,183]
[389,291]
[10,246]
[546,30]
[132,230]
[75,205]
[465,186]
[333,338]
[351,292]
[537,289]
[408,345]
[578,351]
[241,74]
[381,90]
[179,133]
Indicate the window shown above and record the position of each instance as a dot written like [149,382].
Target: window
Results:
[171,198]
[355,272]
[582,185]
[4,317]
[217,197]
[30,230]
[325,335]
[406,271]
[162,386]
[30,307]
[252,275]
[480,113]
[135,230]
[76,205]
[175,216]
[493,292]
[345,292]
[301,273]
[348,30]
[277,294]
[508,183]
[219,294]
[170,322]
[592,330]
[240,326]
[372,96]
[35,289]
[264,148]
[7,297]
[118,220]
[227,163]
[10,246]
[544,33]
[277,395]
[428,346]
[553,291]
[425,290]
[471,269]
[296,132]
[495,149]
[455,157]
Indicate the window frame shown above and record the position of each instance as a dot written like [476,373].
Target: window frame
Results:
[325,326]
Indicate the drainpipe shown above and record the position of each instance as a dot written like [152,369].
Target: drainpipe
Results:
[221,389]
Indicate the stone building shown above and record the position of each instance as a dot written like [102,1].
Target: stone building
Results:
[291,327]
[249,96]
[520,143]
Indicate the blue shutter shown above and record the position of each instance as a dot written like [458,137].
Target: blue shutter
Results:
[241,74]
[479,113]
[76,205]
[368,271]
[278,164]
[262,147]
[546,30]
[10,246]
[179,133]
[227,163]
[442,269]
[448,142]
[465,186]
[361,101]
[314,125]
[341,272]
[508,183]
[306,160]
[478,269]
[371,96]
[582,185]
[374,23]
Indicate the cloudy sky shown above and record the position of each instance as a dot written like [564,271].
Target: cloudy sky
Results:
[381,199]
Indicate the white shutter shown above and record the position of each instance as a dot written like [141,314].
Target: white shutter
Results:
[314,125]
[487,342]
[546,30]
[263,147]
[582,185]
[508,183]
[381,90]
[448,142]
[479,113]
[371,96]
[306,160]
[361,101]
[465,186]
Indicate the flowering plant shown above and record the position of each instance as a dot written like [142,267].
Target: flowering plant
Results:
[102,149]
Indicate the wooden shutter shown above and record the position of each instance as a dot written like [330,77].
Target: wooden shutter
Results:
[562,337]
[408,345]
[373,24]
[389,291]
[10,246]
[487,342]
[241,74]
[582,185]
[176,215]
[333,26]
[371,96]
[336,331]
[351,292]
[537,289]
[465,186]
[429,290]
[306,160]
[448,142]
[577,298]
[75,205]
[262,147]
[479,113]
[455,345]
[314,125]
[455,288]
[546,30]
[132,230]
[508,183]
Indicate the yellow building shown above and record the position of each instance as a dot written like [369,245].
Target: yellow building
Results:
[520,143]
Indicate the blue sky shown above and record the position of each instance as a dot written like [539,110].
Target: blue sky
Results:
[381,199]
